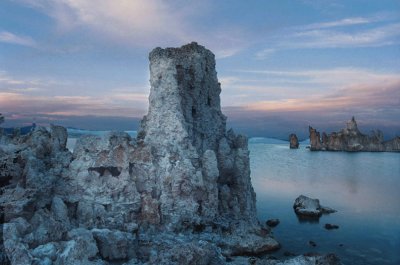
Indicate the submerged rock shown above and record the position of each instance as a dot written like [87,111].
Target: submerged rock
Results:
[272,222]
[331,226]
[308,207]
[350,139]
[294,141]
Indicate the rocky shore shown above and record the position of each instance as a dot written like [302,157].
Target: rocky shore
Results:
[180,193]
[350,139]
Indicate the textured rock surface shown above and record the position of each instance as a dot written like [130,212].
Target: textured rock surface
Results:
[293,141]
[307,207]
[351,139]
[184,174]
[180,193]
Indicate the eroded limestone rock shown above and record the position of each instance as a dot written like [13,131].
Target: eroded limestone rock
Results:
[350,139]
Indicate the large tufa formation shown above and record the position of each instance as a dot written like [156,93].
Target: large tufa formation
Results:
[204,167]
[350,139]
[178,194]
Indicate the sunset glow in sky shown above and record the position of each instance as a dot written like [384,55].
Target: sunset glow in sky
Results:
[316,61]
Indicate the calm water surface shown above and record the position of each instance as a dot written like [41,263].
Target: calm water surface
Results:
[363,187]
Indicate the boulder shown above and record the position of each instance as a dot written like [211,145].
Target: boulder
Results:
[308,207]
[80,249]
[115,245]
[48,251]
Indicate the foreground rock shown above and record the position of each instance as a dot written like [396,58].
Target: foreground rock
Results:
[180,193]
[293,141]
[307,207]
[351,139]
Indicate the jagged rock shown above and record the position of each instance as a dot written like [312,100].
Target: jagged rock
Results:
[307,207]
[80,249]
[59,210]
[45,229]
[350,139]
[115,245]
[315,140]
[17,250]
[48,251]
[187,253]
[293,141]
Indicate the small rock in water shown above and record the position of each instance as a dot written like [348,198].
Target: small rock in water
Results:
[273,222]
[312,243]
[294,141]
[331,226]
[307,207]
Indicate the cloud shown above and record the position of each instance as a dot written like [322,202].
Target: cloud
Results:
[128,105]
[340,23]
[11,38]
[318,38]
[358,96]
[48,96]
[9,83]
[140,22]
[332,89]
[261,55]
[351,32]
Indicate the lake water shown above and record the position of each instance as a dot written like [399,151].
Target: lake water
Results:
[363,187]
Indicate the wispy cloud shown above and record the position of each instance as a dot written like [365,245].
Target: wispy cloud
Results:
[351,21]
[139,22]
[318,38]
[356,99]
[351,32]
[48,96]
[261,55]
[314,90]
[132,105]
[8,83]
[11,38]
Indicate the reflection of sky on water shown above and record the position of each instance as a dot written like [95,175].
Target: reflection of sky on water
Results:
[363,187]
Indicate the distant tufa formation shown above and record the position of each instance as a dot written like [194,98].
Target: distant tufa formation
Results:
[293,141]
[351,139]
[178,194]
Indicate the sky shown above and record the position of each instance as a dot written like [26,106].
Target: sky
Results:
[283,65]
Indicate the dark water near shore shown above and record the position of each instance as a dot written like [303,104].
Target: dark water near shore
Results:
[363,187]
